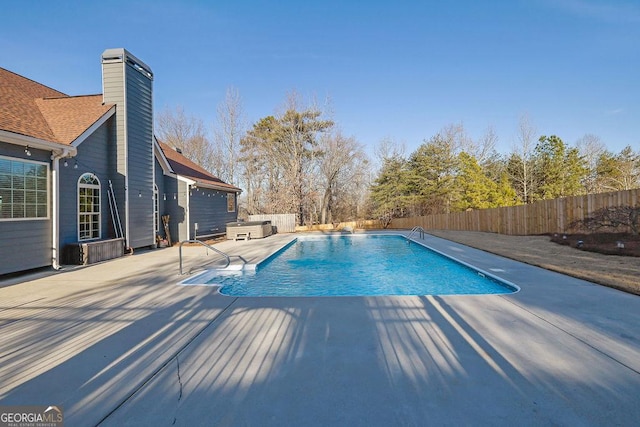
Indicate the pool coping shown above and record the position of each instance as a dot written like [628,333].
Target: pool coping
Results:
[134,337]
[203,277]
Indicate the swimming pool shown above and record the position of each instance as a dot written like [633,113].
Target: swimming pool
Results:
[358,265]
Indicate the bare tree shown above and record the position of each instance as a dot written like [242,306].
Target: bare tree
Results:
[521,168]
[387,149]
[457,138]
[187,134]
[591,148]
[341,162]
[229,128]
[486,147]
[260,172]
[282,149]
[619,171]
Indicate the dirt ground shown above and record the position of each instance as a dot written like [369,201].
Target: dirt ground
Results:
[604,243]
[620,272]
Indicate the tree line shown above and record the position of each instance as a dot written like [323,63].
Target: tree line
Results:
[452,173]
[298,161]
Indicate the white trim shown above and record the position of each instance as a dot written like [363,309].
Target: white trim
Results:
[125,134]
[55,209]
[217,187]
[122,55]
[97,187]
[190,183]
[204,184]
[185,179]
[49,196]
[84,135]
[38,144]
[162,159]
[168,171]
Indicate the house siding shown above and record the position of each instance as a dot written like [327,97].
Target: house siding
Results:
[90,159]
[113,93]
[120,151]
[163,198]
[131,89]
[172,208]
[208,208]
[140,157]
[26,244]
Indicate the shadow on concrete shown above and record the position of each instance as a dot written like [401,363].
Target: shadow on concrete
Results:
[89,349]
[139,350]
[374,361]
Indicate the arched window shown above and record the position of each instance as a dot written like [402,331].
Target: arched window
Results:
[88,207]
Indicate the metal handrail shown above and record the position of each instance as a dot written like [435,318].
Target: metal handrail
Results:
[418,229]
[207,246]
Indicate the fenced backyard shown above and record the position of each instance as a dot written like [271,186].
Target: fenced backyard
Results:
[542,217]
[284,223]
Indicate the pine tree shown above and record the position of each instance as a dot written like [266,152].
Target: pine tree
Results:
[561,169]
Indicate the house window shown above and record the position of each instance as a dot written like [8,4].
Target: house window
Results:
[24,191]
[88,207]
[231,202]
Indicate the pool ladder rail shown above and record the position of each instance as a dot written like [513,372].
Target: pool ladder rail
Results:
[417,229]
[228,258]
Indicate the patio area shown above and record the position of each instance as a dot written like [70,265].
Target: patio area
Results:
[120,343]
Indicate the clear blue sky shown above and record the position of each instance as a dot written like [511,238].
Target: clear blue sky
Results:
[396,69]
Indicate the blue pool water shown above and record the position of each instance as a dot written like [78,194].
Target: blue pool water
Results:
[358,265]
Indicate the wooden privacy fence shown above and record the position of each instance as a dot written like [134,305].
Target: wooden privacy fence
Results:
[542,217]
[285,223]
[368,224]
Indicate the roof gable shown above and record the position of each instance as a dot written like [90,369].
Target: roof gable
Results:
[32,109]
[184,167]
[69,117]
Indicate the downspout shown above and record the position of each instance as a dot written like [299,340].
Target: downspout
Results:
[55,207]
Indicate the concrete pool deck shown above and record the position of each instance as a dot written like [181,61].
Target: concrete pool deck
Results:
[120,343]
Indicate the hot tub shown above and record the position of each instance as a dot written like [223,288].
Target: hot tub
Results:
[249,230]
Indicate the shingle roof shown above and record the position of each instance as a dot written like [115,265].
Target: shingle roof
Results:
[32,109]
[185,167]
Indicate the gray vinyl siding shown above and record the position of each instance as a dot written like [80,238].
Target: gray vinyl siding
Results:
[91,157]
[26,244]
[172,207]
[131,90]
[140,157]
[113,86]
[208,208]
[163,198]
